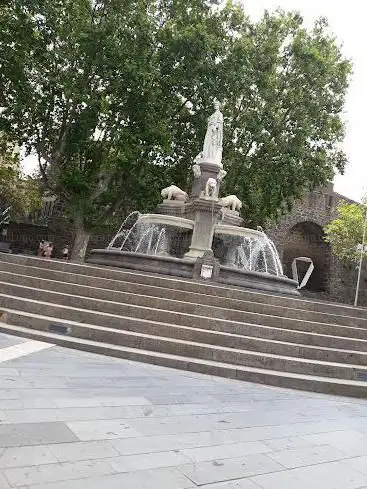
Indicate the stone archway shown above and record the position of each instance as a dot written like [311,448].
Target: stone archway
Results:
[307,239]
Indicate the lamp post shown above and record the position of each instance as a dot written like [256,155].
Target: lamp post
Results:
[361,260]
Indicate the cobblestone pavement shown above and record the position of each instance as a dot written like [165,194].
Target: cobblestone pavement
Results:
[73,420]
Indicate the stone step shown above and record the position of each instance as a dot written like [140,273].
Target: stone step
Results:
[219,330]
[244,373]
[183,285]
[229,340]
[210,352]
[218,316]
[157,297]
[256,333]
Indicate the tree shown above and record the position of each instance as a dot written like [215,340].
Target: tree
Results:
[22,194]
[345,232]
[113,95]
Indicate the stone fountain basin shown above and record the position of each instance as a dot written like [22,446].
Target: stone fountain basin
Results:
[166,220]
[257,280]
[166,265]
[238,231]
[184,268]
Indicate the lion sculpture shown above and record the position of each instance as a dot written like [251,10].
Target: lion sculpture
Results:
[231,202]
[174,193]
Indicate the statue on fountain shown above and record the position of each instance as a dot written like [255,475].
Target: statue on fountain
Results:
[213,142]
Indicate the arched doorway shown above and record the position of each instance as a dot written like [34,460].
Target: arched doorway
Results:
[307,239]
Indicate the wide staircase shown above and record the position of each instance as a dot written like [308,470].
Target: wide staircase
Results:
[184,324]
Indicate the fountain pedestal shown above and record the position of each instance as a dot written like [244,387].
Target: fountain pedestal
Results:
[208,170]
[205,214]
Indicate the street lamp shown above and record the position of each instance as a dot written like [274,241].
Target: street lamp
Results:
[361,259]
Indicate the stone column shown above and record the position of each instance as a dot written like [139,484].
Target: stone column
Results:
[205,213]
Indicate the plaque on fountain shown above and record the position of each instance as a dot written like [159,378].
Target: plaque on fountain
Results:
[206,271]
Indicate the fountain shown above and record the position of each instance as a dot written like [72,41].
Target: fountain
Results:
[199,236]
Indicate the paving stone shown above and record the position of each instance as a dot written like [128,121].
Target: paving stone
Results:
[172,425]
[24,456]
[228,469]
[160,398]
[3,482]
[186,424]
[3,418]
[351,442]
[288,443]
[86,450]
[82,414]
[11,372]
[147,461]
[7,340]
[231,450]
[27,404]
[143,479]
[24,434]
[334,475]
[102,429]
[202,408]
[358,463]
[22,348]
[162,443]
[103,401]
[299,457]
[238,484]
[23,476]
[8,393]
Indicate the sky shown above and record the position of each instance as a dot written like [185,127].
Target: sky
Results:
[347,22]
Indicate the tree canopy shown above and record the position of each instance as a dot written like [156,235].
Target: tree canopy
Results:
[113,96]
[345,232]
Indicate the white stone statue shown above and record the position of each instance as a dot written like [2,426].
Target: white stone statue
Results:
[213,143]
[210,188]
[196,170]
[198,158]
[232,202]
[174,193]
[222,173]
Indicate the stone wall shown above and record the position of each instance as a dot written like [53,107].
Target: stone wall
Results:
[300,233]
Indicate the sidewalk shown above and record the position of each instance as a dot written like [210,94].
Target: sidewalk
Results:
[73,420]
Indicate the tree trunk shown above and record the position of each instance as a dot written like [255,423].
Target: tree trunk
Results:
[81,240]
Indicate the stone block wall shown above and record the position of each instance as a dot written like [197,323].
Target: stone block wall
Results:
[300,233]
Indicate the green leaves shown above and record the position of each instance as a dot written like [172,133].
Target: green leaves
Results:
[345,232]
[22,194]
[123,88]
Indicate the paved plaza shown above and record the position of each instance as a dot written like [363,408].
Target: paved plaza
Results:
[73,420]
